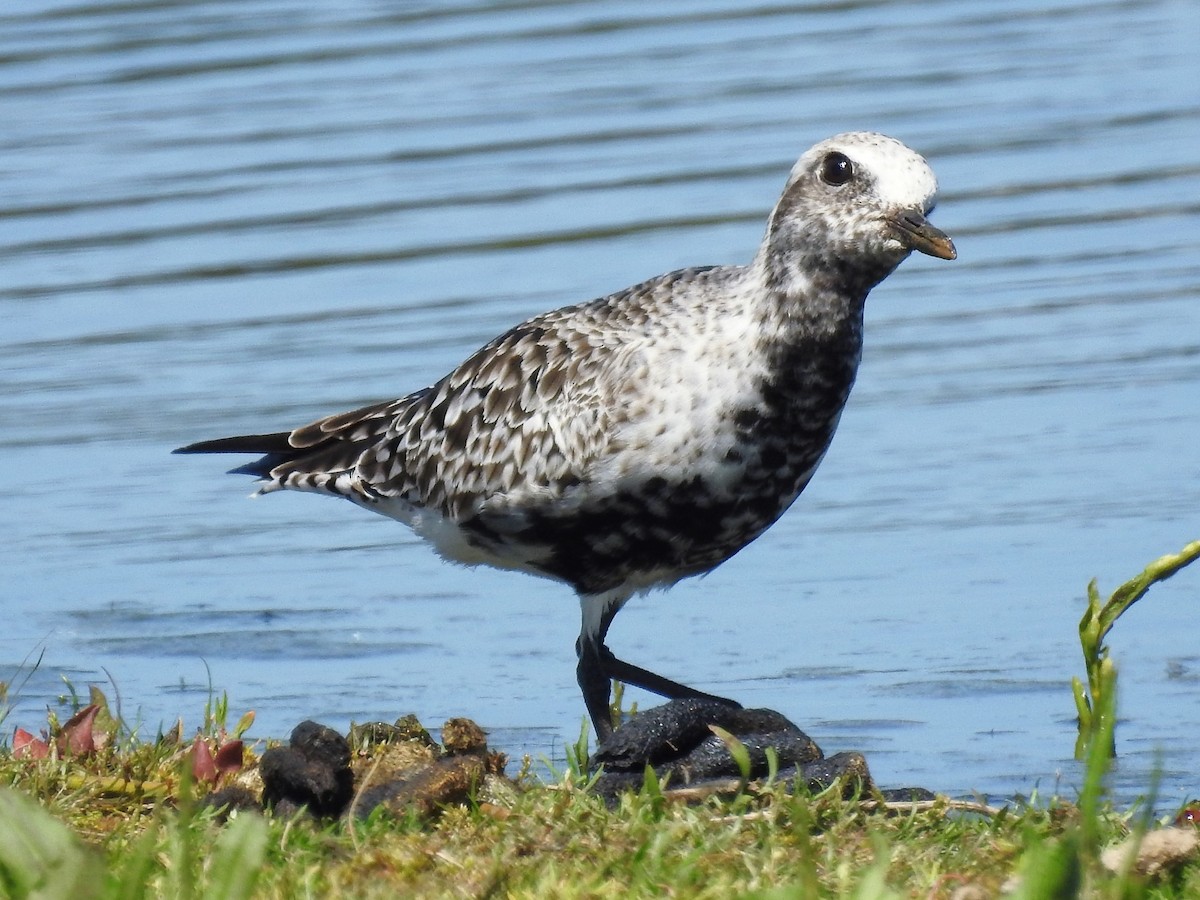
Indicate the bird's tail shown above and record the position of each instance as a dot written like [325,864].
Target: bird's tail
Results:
[275,448]
[319,457]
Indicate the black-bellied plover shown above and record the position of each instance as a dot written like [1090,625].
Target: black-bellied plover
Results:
[628,442]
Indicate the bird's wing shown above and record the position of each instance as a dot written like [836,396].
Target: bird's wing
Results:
[526,413]
[527,416]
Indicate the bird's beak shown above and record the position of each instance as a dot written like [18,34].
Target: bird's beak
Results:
[915,233]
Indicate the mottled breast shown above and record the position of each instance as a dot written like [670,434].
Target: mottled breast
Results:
[631,441]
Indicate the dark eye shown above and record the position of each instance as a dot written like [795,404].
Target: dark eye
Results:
[836,169]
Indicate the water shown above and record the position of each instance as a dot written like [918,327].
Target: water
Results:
[233,216]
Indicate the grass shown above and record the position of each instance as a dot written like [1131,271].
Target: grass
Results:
[557,840]
[1098,620]
[105,814]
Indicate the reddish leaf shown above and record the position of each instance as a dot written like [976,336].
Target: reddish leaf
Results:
[229,757]
[76,736]
[203,766]
[26,746]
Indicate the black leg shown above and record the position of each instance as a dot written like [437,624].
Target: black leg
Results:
[595,684]
[598,667]
[643,678]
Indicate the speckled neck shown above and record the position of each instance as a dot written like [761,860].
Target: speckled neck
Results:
[826,286]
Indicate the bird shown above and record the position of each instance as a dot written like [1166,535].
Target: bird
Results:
[622,444]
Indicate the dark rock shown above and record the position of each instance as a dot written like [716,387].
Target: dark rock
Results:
[848,768]
[312,772]
[672,730]
[676,740]
[321,744]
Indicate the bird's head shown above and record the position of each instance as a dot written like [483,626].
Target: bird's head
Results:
[855,205]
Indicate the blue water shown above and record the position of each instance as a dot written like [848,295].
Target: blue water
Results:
[226,217]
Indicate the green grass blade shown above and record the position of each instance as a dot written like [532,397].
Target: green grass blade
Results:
[40,856]
[237,858]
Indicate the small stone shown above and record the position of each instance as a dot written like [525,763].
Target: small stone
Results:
[407,729]
[463,736]
[1159,852]
[441,783]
